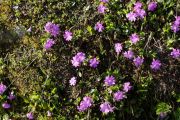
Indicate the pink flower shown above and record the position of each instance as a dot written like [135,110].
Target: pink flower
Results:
[131,16]
[85,104]
[134,38]
[137,5]
[49,43]
[138,61]
[11,96]
[106,107]
[101,8]
[127,86]
[51,28]
[6,105]
[175,53]
[118,47]
[30,116]
[109,80]
[155,65]
[128,54]
[67,35]
[2,88]
[152,6]
[119,95]
[72,81]
[105,1]
[94,62]
[78,59]
[99,27]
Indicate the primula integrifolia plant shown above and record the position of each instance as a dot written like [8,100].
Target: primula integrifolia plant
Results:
[85,104]
[49,43]
[175,53]
[94,62]
[78,59]
[109,80]
[2,88]
[52,28]
[99,27]
[176,25]
[155,65]
[134,38]
[106,107]
[67,35]
[72,81]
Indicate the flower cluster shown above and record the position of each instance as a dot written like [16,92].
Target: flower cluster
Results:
[138,12]
[85,104]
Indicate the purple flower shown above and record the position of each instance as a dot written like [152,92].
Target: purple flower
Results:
[131,16]
[30,116]
[49,114]
[134,38]
[129,54]
[176,25]
[127,86]
[118,47]
[109,80]
[152,6]
[137,5]
[104,1]
[49,43]
[138,61]
[175,28]
[78,59]
[177,21]
[101,8]
[2,88]
[93,62]
[11,96]
[99,27]
[156,64]
[6,105]
[51,28]
[72,81]
[119,95]
[141,13]
[162,115]
[106,107]
[85,104]
[175,53]
[67,35]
